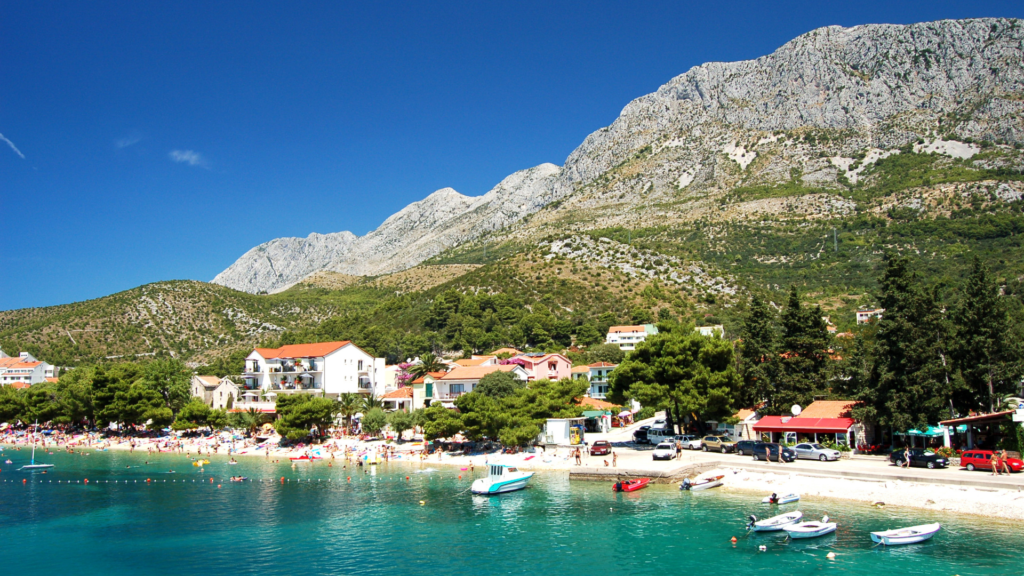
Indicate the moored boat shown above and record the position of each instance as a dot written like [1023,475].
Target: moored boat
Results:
[701,483]
[810,529]
[501,479]
[631,485]
[784,499]
[775,523]
[910,535]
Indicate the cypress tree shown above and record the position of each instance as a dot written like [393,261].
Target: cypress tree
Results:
[804,359]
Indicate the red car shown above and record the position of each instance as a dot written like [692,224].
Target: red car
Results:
[600,448]
[982,460]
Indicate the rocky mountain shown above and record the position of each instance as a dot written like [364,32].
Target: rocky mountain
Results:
[806,122]
[419,231]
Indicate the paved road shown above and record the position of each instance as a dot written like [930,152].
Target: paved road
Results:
[857,467]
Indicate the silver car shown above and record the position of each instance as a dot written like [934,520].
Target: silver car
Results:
[815,452]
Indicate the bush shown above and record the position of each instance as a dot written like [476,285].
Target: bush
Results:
[645,413]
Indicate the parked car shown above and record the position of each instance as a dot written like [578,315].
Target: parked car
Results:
[659,435]
[815,451]
[600,448]
[746,447]
[640,435]
[770,451]
[919,457]
[719,443]
[982,460]
[689,441]
[665,451]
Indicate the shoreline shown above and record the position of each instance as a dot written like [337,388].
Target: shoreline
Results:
[980,502]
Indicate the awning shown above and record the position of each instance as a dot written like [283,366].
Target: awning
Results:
[811,425]
[931,432]
[981,418]
[595,413]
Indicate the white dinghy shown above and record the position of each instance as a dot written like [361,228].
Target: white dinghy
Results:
[810,529]
[775,523]
[701,483]
[911,535]
[784,499]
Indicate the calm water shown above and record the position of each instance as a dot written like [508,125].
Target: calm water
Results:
[183,524]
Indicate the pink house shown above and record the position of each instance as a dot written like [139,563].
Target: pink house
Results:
[541,366]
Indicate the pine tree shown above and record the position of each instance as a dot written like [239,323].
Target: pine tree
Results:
[910,381]
[760,355]
[985,357]
[804,355]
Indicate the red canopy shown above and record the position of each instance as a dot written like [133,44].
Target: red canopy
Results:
[790,424]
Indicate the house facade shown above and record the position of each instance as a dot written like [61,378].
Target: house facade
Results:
[599,373]
[545,366]
[217,393]
[711,331]
[462,381]
[627,337]
[866,315]
[328,368]
[822,420]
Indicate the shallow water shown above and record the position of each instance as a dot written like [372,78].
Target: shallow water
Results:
[318,522]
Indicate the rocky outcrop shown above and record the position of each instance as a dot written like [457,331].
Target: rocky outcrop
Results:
[801,114]
[419,231]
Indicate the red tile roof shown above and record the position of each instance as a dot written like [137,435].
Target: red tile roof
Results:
[434,375]
[20,385]
[617,329]
[473,361]
[743,414]
[595,403]
[405,392]
[52,380]
[25,365]
[8,362]
[809,425]
[302,350]
[581,369]
[829,409]
[603,365]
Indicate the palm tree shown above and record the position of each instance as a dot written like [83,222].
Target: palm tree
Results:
[428,363]
[348,405]
[370,402]
[252,418]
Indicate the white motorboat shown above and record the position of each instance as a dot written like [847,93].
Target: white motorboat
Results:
[911,535]
[775,523]
[501,479]
[784,499]
[701,483]
[810,529]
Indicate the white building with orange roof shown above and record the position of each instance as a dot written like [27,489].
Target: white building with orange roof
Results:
[328,368]
[627,337]
[476,361]
[24,368]
[462,380]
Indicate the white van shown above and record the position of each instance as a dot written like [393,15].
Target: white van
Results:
[659,435]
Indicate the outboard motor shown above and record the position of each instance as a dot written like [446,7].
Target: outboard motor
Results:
[686,484]
[618,486]
[750,524]
[774,499]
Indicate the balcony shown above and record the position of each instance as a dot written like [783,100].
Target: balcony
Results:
[244,405]
[448,395]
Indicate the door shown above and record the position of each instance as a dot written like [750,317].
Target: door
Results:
[803,451]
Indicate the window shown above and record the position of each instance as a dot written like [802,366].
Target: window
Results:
[360,367]
[457,388]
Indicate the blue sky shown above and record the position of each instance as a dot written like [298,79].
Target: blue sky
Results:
[151,141]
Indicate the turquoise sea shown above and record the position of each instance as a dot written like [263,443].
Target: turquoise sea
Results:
[318,522]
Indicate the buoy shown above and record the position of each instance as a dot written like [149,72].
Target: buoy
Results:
[282,479]
[407,478]
[762,547]
[218,485]
[733,540]
[831,556]
[460,476]
[349,478]
[24,481]
[148,480]
[422,502]
[211,480]
[86,480]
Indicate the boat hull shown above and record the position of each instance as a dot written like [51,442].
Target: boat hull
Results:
[634,485]
[810,529]
[36,466]
[776,523]
[911,535]
[485,486]
[787,499]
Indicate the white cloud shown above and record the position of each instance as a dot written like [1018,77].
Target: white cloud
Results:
[13,147]
[127,141]
[189,157]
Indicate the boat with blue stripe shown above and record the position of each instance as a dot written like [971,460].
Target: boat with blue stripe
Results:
[501,479]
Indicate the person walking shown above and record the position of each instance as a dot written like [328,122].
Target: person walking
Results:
[906,458]
[996,464]
[615,460]
[1005,459]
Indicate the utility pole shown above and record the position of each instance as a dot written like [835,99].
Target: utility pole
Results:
[835,240]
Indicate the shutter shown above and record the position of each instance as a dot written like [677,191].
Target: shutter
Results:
[430,390]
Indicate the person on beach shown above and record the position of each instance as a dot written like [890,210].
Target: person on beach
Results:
[1003,457]
[996,464]
[906,459]
[615,460]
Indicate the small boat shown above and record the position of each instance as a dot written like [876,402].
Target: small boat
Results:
[784,499]
[810,529]
[911,535]
[501,479]
[775,523]
[701,483]
[200,463]
[631,485]
[32,465]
